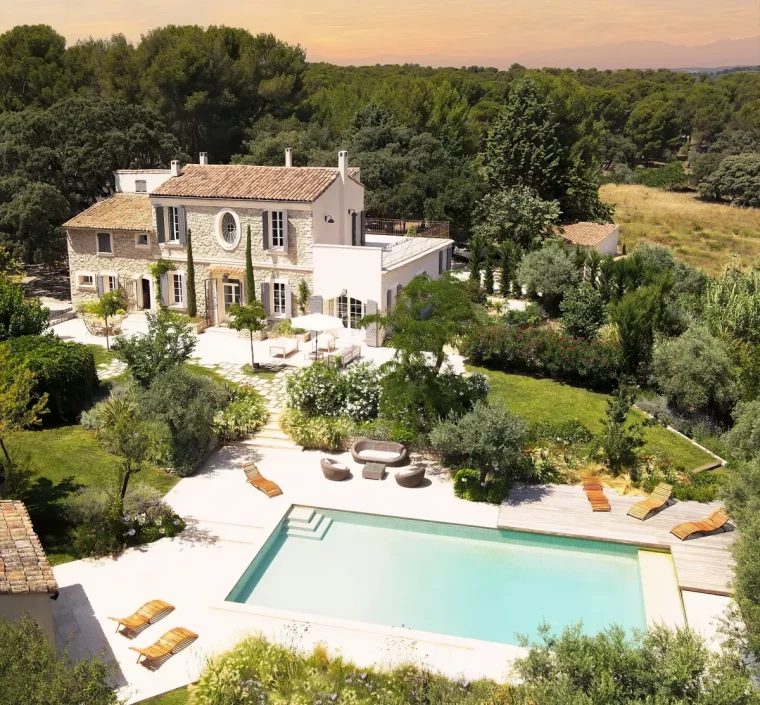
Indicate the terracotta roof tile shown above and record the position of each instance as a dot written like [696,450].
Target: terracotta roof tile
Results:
[588,234]
[122,211]
[24,568]
[256,183]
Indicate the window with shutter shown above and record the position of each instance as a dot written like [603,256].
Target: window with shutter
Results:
[277,228]
[441,255]
[265,230]
[354,239]
[104,244]
[388,299]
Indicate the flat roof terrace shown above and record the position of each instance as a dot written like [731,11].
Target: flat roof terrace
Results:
[702,565]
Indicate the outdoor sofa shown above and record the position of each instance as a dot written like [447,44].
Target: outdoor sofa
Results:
[384,452]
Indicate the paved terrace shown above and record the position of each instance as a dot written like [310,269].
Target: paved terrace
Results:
[702,565]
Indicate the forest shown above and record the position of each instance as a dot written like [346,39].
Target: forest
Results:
[431,143]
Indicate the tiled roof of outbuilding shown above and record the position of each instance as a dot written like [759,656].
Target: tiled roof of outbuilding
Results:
[255,183]
[24,568]
[588,234]
[122,211]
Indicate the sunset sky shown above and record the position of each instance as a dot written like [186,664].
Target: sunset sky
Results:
[454,32]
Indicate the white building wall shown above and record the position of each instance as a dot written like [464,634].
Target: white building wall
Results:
[357,270]
[609,246]
[404,272]
[39,605]
[336,202]
[125,179]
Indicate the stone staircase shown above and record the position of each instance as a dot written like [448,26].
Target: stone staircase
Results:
[307,524]
[272,436]
[60,315]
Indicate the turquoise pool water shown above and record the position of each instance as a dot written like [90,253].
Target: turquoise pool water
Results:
[462,581]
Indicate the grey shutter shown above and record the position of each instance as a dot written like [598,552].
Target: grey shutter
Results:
[363,228]
[441,256]
[371,338]
[265,298]
[388,299]
[315,304]
[209,301]
[288,302]
[353,229]
[398,290]
[285,232]
[448,259]
[99,285]
[265,230]
[160,225]
[182,226]
[163,285]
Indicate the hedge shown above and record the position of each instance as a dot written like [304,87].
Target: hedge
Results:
[546,352]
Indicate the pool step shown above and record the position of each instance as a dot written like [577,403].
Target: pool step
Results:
[307,524]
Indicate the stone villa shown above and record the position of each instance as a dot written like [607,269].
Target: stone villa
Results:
[307,224]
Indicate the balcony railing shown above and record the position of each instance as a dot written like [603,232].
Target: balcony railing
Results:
[408,228]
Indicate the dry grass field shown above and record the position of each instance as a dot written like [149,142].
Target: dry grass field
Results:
[703,234]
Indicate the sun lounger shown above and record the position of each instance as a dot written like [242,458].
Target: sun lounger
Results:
[714,524]
[325,341]
[595,495]
[269,488]
[148,614]
[282,347]
[657,500]
[169,644]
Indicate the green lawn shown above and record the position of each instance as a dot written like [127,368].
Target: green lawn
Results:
[101,355]
[181,696]
[546,400]
[63,459]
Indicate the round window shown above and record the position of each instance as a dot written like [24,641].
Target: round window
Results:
[229,229]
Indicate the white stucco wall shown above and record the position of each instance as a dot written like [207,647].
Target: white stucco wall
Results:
[38,605]
[336,202]
[609,246]
[405,271]
[125,179]
[358,270]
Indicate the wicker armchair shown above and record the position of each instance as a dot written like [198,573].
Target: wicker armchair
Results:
[335,471]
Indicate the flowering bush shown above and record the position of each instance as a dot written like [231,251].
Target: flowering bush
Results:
[316,432]
[468,485]
[543,351]
[362,392]
[245,414]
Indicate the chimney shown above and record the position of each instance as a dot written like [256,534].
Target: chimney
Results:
[175,167]
[343,165]
[203,158]
[288,157]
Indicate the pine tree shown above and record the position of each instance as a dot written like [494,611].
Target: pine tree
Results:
[250,283]
[192,307]
[523,148]
[488,269]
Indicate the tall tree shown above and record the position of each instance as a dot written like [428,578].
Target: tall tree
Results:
[251,318]
[250,284]
[192,307]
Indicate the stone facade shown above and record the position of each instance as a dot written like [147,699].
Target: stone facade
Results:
[212,259]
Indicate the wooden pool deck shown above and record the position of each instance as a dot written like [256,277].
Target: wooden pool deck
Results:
[702,564]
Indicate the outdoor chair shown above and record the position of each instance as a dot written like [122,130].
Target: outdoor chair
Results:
[169,644]
[412,477]
[148,614]
[335,471]
[385,452]
[595,495]
[325,341]
[269,488]
[714,524]
[659,499]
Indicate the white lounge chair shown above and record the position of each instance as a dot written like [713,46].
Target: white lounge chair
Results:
[282,347]
[325,341]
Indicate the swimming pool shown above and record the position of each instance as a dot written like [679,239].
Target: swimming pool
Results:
[462,581]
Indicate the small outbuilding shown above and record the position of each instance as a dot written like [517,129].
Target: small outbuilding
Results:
[602,237]
[26,578]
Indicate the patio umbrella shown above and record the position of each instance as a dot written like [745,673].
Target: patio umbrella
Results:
[316,322]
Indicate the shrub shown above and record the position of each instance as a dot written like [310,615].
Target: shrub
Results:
[736,179]
[245,414]
[316,432]
[695,372]
[388,430]
[546,352]
[548,273]
[317,390]
[469,486]
[19,316]
[743,439]
[529,316]
[671,176]
[64,370]
[582,312]
[187,404]
[167,344]
[361,385]
[620,439]
[32,673]
[561,432]
[102,529]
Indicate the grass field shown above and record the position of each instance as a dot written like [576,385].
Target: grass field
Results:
[546,400]
[63,459]
[701,233]
[181,696]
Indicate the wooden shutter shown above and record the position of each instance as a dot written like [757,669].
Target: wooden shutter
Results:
[160,225]
[265,230]
[398,290]
[265,298]
[441,256]
[388,299]
[288,302]
[354,240]
[285,232]
[163,285]
[448,259]
[315,304]
[363,228]
[182,226]
[99,285]
[184,290]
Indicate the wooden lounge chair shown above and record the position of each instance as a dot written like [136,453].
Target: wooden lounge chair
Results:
[269,488]
[714,524]
[169,644]
[148,614]
[595,495]
[657,500]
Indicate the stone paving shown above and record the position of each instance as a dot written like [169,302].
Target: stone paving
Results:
[271,388]
[111,370]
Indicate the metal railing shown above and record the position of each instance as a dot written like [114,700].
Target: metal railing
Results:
[408,228]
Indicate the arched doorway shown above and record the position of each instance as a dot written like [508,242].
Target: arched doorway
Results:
[350,310]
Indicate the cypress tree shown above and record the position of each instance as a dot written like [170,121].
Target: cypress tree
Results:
[488,269]
[506,267]
[476,258]
[192,307]
[250,283]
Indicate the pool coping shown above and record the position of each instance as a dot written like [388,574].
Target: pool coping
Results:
[651,614]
